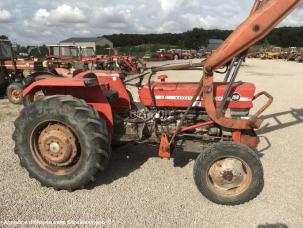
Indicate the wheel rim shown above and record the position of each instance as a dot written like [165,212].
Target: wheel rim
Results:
[15,95]
[229,176]
[55,148]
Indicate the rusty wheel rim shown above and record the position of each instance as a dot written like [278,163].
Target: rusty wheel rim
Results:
[229,177]
[55,148]
[15,95]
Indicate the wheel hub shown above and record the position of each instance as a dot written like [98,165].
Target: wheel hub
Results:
[229,176]
[54,147]
[15,94]
[57,145]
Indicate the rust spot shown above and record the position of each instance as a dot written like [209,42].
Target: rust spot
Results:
[209,69]
[219,115]
[250,141]
[256,28]
[208,89]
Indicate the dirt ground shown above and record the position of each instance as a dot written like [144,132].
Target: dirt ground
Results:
[140,190]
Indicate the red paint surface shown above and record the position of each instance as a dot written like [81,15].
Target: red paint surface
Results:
[184,91]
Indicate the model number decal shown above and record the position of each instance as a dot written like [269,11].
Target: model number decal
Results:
[235,98]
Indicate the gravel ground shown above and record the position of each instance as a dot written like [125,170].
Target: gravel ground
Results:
[140,190]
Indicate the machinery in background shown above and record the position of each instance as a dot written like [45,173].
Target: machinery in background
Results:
[13,70]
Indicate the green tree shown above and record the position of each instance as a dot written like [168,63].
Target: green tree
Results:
[3,37]
[38,52]
[195,39]
[103,50]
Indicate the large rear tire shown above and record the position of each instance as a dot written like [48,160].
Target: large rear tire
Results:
[62,142]
[229,174]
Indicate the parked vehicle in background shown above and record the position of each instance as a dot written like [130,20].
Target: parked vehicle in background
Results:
[163,55]
[63,56]
[290,54]
[85,58]
[147,56]
[201,53]
[274,53]
[14,70]
[174,54]
[293,54]
[186,54]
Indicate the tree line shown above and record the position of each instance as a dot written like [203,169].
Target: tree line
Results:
[198,37]
[192,39]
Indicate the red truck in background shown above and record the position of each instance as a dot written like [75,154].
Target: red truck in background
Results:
[175,54]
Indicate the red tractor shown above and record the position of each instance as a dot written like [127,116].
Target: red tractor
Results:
[74,57]
[128,64]
[183,54]
[70,138]
[65,138]
[68,57]
[163,55]
[13,71]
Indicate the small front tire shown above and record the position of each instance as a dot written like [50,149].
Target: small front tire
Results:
[14,93]
[229,174]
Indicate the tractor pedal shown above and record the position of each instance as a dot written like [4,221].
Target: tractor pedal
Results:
[164,150]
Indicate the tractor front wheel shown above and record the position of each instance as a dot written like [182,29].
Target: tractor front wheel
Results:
[229,174]
[14,93]
[62,142]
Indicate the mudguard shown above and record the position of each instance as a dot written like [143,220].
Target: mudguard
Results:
[113,81]
[86,88]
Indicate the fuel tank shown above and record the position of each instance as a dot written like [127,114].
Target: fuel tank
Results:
[180,94]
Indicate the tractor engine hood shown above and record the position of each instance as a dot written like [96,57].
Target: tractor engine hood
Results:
[179,95]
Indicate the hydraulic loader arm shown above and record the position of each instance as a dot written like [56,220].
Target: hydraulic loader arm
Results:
[265,15]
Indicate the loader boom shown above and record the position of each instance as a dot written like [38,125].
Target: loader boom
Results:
[264,16]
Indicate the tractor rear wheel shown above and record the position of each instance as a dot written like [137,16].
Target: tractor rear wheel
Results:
[62,142]
[14,93]
[229,174]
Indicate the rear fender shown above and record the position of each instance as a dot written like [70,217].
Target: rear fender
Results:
[88,90]
[123,103]
[114,82]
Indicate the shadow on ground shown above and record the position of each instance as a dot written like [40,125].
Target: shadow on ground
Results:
[277,225]
[277,123]
[297,118]
[129,158]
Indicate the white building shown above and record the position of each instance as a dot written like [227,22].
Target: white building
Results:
[87,42]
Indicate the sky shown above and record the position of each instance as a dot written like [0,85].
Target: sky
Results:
[34,22]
